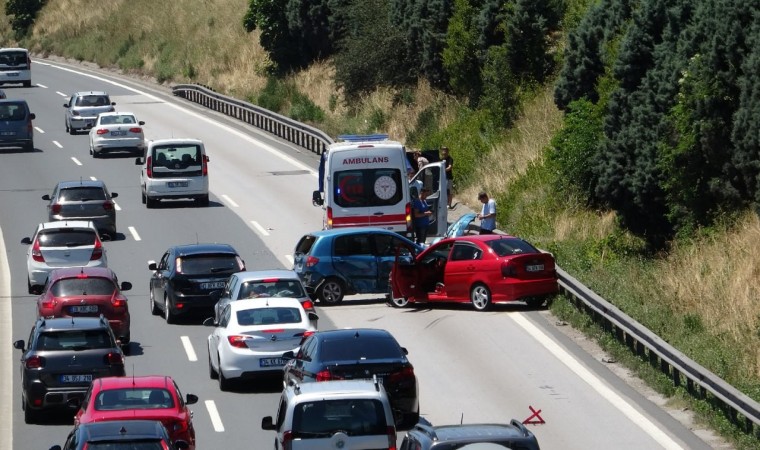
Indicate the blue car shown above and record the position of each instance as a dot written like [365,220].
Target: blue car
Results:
[339,262]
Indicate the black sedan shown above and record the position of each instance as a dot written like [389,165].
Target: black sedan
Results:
[355,354]
[118,434]
[184,278]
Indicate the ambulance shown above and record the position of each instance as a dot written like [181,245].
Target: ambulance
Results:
[363,182]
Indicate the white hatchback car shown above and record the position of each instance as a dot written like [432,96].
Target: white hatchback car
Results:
[69,243]
[252,335]
[117,131]
[174,169]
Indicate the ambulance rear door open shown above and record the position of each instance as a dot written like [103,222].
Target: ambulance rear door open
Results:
[433,177]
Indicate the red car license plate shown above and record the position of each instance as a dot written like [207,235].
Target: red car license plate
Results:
[535,268]
[83,309]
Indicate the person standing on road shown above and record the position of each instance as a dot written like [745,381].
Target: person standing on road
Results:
[449,173]
[422,213]
[421,160]
[487,214]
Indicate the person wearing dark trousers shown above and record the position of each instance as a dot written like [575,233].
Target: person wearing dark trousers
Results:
[445,156]
[422,215]
[487,214]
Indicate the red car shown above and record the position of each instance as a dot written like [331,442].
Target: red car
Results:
[481,269]
[154,397]
[87,292]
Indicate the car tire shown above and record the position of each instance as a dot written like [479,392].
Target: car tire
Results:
[410,420]
[480,296]
[67,126]
[202,201]
[72,131]
[224,383]
[30,288]
[400,302]
[95,154]
[331,291]
[213,374]
[154,310]
[142,194]
[27,84]
[29,147]
[150,203]
[535,302]
[168,315]
[30,416]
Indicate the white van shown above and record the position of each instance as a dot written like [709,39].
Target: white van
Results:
[174,169]
[363,182]
[15,66]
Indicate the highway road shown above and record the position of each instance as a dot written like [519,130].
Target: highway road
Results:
[476,367]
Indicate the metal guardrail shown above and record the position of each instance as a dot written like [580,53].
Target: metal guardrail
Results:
[286,128]
[699,382]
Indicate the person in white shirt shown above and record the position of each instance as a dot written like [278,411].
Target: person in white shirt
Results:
[487,214]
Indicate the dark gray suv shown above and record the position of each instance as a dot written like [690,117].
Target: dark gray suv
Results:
[62,358]
[16,128]
[513,436]
[84,200]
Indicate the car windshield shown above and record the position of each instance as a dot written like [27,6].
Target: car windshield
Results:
[209,264]
[267,316]
[12,111]
[133,398]
[272,288]
[74,340]
[511,246]
[355,417]
[137,444]
[68,287]
[66,238]
[81,194]
[93,100]
[359,349]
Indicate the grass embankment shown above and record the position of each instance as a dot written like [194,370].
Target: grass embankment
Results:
[702,296]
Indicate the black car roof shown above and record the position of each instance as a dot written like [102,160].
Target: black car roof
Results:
[200,249]
[349,333]
[71,323]
[122,430]
[480,432]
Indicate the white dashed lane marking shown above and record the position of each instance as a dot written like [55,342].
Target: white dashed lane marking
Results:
[57,144]
[61,94]
[76,161]
[42,86]
[39,130]
[189,348]
[116,206]
[230,201]
[216,421]
[259,228]
[289,258]
[93,179]
[134,234]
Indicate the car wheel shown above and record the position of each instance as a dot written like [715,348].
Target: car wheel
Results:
[330,292]
[29,286]
[67,126]
[72,131]
[202,201]
[29,147]
[410,420]
[168,315]
[224,383]
[95,154]
[535,302]
[27,84]
[400,302]
[480,296]
[153,306]
[125,348]
[30,415]
[213,374]
[142,194]
[150,203]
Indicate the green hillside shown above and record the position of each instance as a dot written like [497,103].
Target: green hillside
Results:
[618,134]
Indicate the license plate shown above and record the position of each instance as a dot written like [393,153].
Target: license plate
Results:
[176,184]
[84,309]
[76,378]
[271,362]
[213,285]
[12,74]
[118,133]
[535,268]
[7,133]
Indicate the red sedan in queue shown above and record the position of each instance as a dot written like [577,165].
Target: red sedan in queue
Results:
[87,292]
[154,397]
[479,269]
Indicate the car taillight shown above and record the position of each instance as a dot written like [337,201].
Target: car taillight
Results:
[36,252]
[118,302]
[508,269]
[391,431]
[55,208]
[408,214]
[135,130]
[205,166]
[329,223]
[308,305]
[311,261]
[404,373]
[149,170]
[97,252]
[49,304]
[102,131]
[325,375]
[178,427]
[287,440]
[29,127]
[304,335]
[108,205]
[34,362]
[114,359]
[237,341]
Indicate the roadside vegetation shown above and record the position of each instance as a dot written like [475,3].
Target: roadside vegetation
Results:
[628,147]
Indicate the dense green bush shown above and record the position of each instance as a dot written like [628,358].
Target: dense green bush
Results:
[22,14]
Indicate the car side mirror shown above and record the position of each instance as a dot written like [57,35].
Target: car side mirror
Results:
[19,345]
[152,265]
[206,158]
[316,198]
[126,285]
[191,399]
[65,105]
[267,423]
[26,240]
[403,349]
[114,194]
[209,322]
[113,103]
[138,161]
[74,403]
[141,123]
[32,116]
[313,317]
[289,355]
[46,197]
[180,444]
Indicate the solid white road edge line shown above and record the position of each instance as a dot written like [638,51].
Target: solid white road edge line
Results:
[188,348]
[216,420]
[6,351]
[230,201]
[57,144]
[259,228]
[597,384]
[134,234]
[76,161]
[213,122]
[39,130]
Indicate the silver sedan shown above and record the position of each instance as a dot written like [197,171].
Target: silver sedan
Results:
[117,131]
